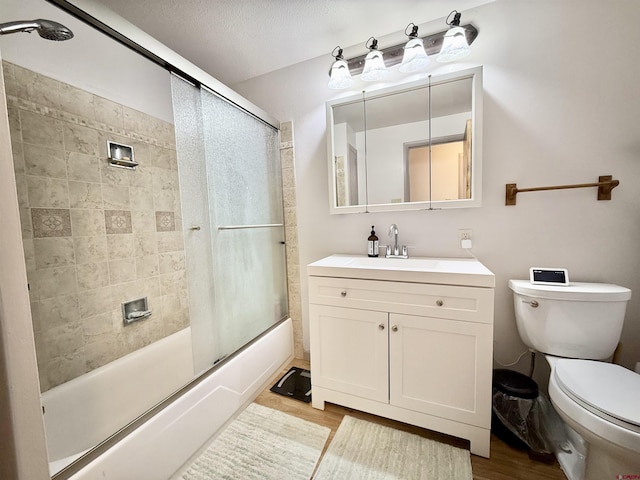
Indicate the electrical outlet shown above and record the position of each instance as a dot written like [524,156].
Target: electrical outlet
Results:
[466,235]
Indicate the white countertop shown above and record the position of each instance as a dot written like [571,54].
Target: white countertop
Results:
[443,271]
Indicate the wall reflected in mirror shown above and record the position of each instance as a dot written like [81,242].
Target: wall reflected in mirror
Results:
[407,146]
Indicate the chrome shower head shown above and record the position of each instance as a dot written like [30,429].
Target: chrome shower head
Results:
[46,29]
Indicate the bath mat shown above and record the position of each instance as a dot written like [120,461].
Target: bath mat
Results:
[366,450]
[261,443]
[296,383]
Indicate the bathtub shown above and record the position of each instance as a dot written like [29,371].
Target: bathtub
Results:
[77,417]
[81,413]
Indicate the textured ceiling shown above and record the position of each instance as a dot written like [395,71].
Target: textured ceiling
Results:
[235,40]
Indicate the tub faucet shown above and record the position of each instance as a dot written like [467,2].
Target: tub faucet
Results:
[395,252]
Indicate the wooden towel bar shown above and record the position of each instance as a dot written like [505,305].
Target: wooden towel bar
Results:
[605,184]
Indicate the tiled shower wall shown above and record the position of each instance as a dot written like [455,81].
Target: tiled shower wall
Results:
[287,161]
[94,235]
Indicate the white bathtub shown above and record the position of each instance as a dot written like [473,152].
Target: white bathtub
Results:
[79,416]
[84,411]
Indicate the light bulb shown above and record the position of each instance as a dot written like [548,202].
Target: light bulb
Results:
[414,58]
[374,67]
[454,45]
[340,75]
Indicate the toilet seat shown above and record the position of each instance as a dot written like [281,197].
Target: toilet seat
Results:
[607,390]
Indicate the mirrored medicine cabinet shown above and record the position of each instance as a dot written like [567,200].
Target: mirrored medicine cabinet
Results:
[413,146]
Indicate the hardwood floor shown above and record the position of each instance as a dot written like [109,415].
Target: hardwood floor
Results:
[506,462]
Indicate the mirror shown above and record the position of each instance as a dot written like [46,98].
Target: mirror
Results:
[407,147]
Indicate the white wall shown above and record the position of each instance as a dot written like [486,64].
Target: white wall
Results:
[90,61]
[560,107]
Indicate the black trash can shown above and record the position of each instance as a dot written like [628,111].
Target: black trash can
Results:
[512,392]
[524,418]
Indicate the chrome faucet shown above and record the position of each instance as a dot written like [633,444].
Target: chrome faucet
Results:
[393,232]
[396,252]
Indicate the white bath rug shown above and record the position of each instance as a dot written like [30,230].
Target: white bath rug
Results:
[261,443]
[364,450]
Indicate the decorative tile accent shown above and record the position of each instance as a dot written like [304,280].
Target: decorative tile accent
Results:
[51,222]
[165,221]
[117,221]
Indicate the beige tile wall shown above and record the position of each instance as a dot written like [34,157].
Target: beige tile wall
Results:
[94,235]
[291,233]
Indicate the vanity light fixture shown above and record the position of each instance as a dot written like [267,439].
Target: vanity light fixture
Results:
[449,45]
[339,73]
[454,45]
[415,58]
[374,67]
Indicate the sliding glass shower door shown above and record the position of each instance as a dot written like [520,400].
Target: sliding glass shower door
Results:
[231,184]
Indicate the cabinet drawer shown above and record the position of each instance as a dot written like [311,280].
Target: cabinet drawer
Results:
[470,304]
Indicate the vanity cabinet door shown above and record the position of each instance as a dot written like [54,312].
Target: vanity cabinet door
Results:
[441,367]
[350,351]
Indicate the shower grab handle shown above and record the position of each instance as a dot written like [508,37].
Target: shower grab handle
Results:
[239,227]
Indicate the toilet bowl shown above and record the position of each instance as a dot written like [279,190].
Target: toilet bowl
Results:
[576,326]
[599,401]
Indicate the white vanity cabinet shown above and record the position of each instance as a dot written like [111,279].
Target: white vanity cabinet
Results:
[410,341]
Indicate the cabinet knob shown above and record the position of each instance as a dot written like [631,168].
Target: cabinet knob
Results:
[439,303]
[343,293]
[394,328]
[381,326]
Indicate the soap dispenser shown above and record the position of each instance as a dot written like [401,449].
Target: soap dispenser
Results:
[372,244]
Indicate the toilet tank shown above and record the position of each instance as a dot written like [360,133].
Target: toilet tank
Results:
[581,320]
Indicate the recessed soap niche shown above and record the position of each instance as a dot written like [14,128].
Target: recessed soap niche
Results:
[135,310]
[121,155]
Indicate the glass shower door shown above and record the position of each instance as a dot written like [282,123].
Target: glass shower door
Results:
[231,186]
[244,175]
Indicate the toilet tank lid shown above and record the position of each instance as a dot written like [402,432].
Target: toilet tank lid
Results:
[577,291]
[606,387]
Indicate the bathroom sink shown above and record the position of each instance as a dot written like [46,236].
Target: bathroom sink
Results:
[445,271]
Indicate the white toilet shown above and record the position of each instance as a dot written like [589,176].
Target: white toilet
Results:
[574,326]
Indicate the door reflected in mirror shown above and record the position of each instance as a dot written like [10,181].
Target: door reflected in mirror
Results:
[408,147]
[450,167]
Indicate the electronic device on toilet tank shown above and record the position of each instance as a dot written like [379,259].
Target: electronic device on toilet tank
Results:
[548,276]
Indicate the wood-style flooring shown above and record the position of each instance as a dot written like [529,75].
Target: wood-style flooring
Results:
[506,462]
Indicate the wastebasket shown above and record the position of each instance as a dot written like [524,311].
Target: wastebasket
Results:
[522,417]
